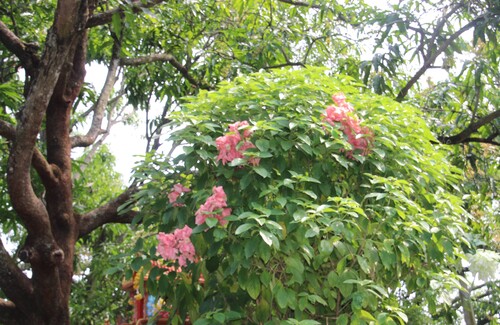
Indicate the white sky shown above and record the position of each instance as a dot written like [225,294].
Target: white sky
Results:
[126,142]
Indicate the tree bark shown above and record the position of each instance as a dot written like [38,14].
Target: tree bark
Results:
[55,81]
[52,229]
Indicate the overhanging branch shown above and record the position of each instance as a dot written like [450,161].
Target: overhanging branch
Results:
[165,57]
[107,213]
[26,52]
[340,16]
[105,17]
[432,58]
[464,136]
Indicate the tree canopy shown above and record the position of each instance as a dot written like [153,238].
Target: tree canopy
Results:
[439,56]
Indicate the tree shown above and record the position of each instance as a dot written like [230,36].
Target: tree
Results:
[167,50]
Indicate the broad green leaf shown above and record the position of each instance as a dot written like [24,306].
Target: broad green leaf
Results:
[253,286]
[243,228]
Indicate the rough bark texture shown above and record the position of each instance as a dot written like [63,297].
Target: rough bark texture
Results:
[52,228]
[56,78]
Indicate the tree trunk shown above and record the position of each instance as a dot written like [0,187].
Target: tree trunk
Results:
[51,225]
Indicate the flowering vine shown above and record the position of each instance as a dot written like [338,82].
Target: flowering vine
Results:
[233,144]
[214,207]
[360,137]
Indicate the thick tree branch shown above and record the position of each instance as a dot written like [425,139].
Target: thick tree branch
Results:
[7,130]
[107,213]
[100,107]
[26,52]
[165,57]
[105,17]
[58,47]
[432,58]
[43,168]
[340,16]
[13,282]
[464,136]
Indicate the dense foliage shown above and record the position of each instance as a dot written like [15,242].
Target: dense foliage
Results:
[315,228]
[441,56]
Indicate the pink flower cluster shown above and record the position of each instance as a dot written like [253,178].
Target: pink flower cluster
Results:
[177,246]
[233,144]
[360,137]
[177,190]
[214,207]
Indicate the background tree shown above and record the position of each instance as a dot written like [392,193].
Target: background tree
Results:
[166,50]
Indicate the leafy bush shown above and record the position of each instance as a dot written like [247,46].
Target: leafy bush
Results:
[308,227]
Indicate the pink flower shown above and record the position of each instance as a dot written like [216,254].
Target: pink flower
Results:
[237,125]
[177,246]
[177,190]
[339,100]
[214,207]
[335,114]
[361,138]
[233,145]
[166,246]
[227,146]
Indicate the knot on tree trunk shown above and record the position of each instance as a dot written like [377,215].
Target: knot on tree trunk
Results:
[41,252]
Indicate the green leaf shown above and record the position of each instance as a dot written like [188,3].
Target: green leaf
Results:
[269,238]
[295,267]
[261,171]
[286,145]
[262,144]
[387,258]
[310,193]
[116,22]
[325,247]
[253,286]
[138,262]
[312,232]
[220,317]
[363,264]
[243,228]
[366,315]
[282,297]
[237,162]
[211,222]
[343,319]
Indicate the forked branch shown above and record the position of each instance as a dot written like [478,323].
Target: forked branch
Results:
[100,107]
[433,56]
